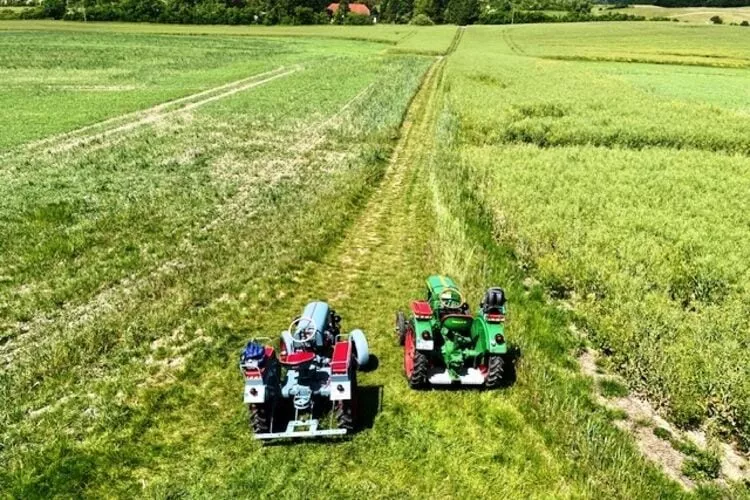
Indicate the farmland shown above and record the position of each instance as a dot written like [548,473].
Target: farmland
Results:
[167,192]
[690,14]
[621,189]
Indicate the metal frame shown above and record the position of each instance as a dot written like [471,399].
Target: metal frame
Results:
[311,430]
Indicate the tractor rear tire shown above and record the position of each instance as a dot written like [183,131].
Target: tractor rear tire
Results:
[418,379]
[260,417]
[495,372]
[401,328]
[344,410]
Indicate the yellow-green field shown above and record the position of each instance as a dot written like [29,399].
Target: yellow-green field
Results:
[691,14]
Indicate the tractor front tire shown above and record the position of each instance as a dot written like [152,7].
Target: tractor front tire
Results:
[495,372]
[418,379]
[401,328]
[344,410]
[260,417]
[416,364]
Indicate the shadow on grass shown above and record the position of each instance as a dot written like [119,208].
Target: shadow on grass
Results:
[369,404]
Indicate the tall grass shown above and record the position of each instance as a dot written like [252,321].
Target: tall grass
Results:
[628,203]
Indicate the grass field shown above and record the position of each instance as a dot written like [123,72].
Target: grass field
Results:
[620,186]
[236,177]
[690,14]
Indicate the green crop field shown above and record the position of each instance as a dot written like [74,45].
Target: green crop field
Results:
[690,14]
[168,192]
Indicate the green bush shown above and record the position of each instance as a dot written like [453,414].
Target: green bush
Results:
[357,19]
[304,15]
[717,20]
[744,23]
[7,14]
[54,9]
[422,20]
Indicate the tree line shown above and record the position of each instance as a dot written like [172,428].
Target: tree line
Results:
[271,12]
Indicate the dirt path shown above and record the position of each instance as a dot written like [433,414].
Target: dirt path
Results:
[642,419]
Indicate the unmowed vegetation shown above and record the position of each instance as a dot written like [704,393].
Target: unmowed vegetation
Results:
[620,186]
[139,254]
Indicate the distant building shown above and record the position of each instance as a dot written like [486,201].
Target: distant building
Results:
[354,8]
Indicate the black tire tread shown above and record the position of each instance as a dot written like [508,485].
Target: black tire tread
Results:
[418,379]
[401,327]
[495,372]
[260,417]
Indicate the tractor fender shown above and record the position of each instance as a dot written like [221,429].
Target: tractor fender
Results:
[423,336]
[357,338]
[486,333]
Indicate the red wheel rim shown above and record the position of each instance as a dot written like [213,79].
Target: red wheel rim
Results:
[409,349]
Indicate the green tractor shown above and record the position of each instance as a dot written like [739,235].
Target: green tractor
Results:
[445,345]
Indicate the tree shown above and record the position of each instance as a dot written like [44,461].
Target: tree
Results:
[717,20]
[462,12]
[426,7]
[580,7]
[54,8]
[341,12]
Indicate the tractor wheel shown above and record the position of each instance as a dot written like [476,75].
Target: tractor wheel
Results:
[344,410]
[416,364]
[495,372]
[260,417]
[401,328]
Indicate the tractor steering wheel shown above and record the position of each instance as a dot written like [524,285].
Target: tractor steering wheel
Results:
[451,302]
[306,334]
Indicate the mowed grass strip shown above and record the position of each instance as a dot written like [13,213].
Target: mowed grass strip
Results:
[624,195]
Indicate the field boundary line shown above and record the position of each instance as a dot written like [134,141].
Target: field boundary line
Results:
[132,116]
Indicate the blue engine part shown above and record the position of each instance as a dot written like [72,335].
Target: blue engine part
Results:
[253,351]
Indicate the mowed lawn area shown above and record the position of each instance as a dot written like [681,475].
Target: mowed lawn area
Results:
[168,192]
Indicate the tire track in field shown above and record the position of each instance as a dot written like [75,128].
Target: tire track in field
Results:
[130,121]
[374,245]
[112,297]
[456,40]
[158,116]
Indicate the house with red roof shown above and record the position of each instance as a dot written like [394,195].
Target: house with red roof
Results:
[354,8]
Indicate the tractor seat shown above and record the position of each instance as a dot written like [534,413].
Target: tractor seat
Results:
[298,358]
[459,323]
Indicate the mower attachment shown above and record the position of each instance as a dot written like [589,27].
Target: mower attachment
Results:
[307,429]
